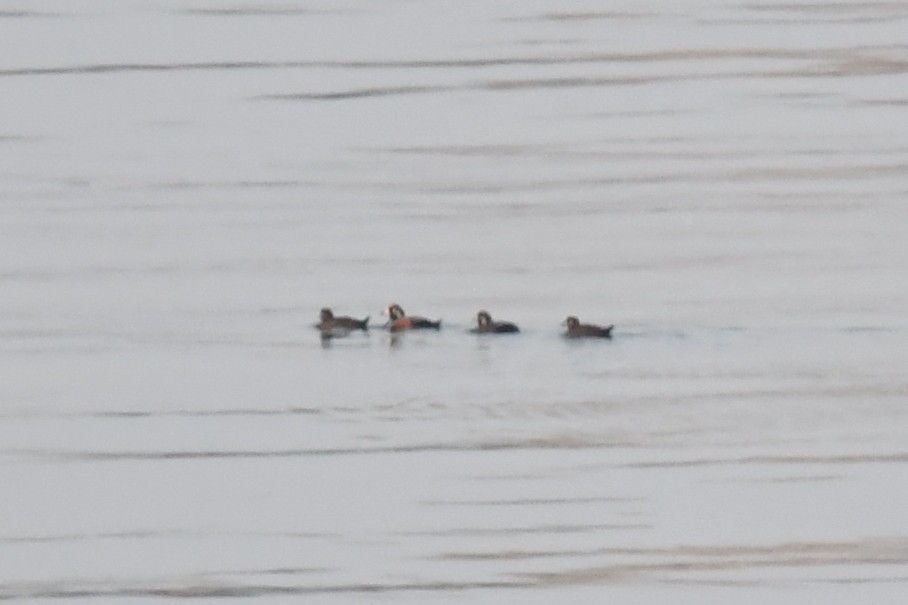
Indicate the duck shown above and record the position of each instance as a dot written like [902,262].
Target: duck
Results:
[400,321]
[575,329]
[485,325]
[330,326]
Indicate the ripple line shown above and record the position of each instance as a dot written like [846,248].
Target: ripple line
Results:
[892,458]
[58,590]
[87,456]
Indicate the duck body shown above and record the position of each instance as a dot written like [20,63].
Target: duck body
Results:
[399,321]
[331,326]
[485,325]
[575,329]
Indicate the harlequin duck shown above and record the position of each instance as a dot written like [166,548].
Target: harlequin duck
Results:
[339,326]
[575,329]
[485,325]
[400,321]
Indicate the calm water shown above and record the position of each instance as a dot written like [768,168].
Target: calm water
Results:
[184,184]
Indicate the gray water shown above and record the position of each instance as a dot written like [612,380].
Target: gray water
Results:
[183,185]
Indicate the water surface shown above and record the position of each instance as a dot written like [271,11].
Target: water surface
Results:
[185,184]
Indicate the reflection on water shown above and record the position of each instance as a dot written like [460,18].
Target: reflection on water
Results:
[725,183]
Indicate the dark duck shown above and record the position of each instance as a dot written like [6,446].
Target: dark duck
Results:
[331,326]
[399,321]
[575,329]
[485,325]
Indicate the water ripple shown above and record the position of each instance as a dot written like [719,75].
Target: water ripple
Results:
[222,589]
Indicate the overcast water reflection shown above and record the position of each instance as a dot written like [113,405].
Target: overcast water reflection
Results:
[185,184]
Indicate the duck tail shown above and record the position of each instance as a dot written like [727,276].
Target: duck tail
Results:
[364,324]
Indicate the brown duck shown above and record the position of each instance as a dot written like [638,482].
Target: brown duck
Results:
[575,329]
[485,325]
[339,326]
[400,321]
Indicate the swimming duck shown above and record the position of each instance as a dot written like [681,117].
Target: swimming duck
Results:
[575,329]
[485,325]
[339,326]
[400,321]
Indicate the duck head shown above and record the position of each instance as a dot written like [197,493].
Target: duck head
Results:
[394,312]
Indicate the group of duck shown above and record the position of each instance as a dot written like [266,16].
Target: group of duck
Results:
[332,326]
